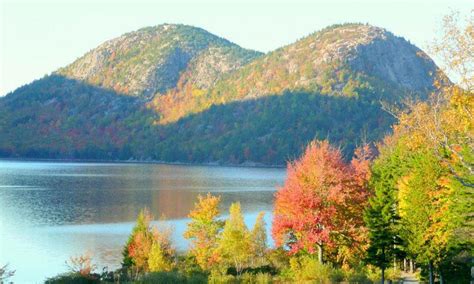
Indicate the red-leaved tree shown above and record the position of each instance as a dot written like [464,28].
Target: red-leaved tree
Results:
[318,206]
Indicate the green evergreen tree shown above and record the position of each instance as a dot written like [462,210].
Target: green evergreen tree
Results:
[381,217]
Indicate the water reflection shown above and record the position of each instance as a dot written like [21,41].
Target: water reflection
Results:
[50,211]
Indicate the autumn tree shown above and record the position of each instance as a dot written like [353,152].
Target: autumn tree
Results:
[162,253]
[320,202]
[157,260]
[445,121]
[138,244]
[259,238]
[455,47]
[235,245]
[203,230]
[425,198]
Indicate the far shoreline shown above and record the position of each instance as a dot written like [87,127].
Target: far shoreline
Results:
[143,162]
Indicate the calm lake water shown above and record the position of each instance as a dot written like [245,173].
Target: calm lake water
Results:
[50,211]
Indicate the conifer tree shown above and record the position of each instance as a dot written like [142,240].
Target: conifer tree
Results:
[381,217]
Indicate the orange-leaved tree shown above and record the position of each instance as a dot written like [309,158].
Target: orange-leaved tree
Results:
[320,205]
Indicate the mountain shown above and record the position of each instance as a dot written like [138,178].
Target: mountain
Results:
[331,61]
[151,60]
[178,93]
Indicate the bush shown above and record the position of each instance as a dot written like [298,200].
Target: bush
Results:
[245,278]
[374,274]
[163,278]
[307,268]
[74,278]
[217,278]
[278,258]
[262,278]
[357,276]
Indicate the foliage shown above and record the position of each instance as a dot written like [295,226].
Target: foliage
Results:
[455,47]
[235,246]
[81,264]
[321,201]
[162,253]
[258,235]
[157,260]
[139,242]
[203,230]
[309,269]
[74,278]
[148,248]
[425,167]
[381,216]
[163,277]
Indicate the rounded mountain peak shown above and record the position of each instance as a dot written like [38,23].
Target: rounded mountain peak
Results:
[146,61]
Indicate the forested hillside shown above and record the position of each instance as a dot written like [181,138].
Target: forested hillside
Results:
[180,94]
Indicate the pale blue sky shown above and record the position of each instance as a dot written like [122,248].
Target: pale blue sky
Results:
[37,37]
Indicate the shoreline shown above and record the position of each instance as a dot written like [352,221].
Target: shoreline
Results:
[155,162]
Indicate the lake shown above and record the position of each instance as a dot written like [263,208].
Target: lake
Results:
[50,211]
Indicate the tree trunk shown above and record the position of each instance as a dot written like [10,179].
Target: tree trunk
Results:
[383,276]
[441,280]
[320,253]
[430,266]
[411,266]
[405,265]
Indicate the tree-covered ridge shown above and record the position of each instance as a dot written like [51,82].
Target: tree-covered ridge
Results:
[201,75]
[56,117]
[226,104]
[149,60]
[331,62]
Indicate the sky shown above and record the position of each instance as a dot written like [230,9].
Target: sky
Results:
[38,37]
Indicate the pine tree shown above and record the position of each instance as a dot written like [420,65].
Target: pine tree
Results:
[381,217]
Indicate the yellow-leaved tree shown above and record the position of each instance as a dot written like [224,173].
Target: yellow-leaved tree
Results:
[203,230]
[235,245]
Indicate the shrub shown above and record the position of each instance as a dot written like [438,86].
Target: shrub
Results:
[81,264]
[357,276]
[163,278]
[73,278]
[218,278]
[278,258]
[307,268]
[262,278]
